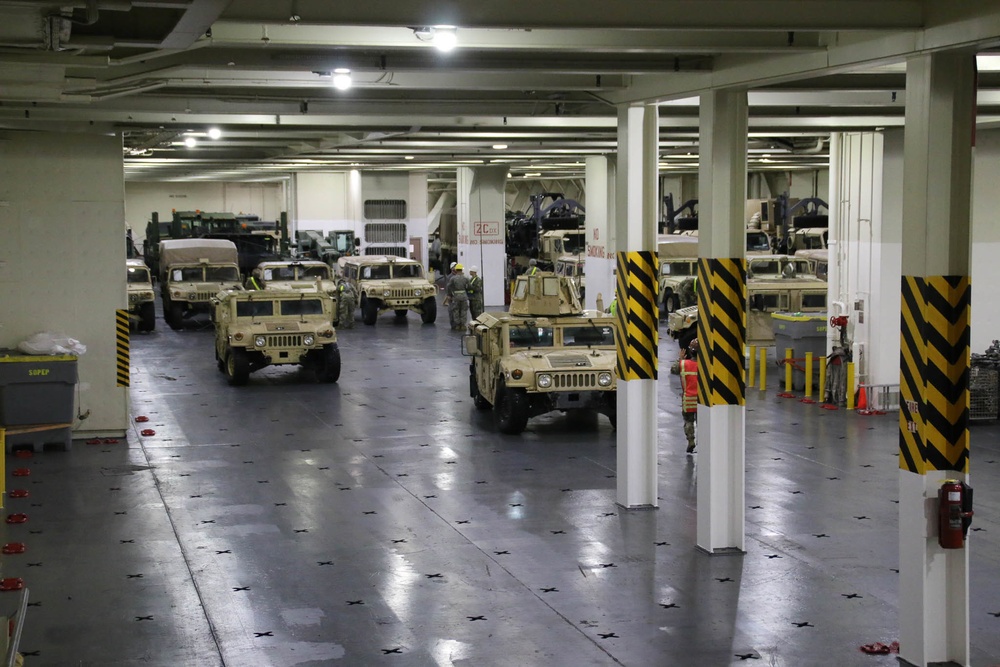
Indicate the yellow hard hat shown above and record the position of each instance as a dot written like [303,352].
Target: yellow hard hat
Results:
[458,267]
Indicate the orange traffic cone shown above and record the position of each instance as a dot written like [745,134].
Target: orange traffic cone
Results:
[862,398]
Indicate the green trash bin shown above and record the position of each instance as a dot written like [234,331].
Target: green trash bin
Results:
[37,390]
[803,332]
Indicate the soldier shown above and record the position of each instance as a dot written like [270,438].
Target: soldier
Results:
[532,267]
[689,292]
[475,292]
[457,298]
[346,303]
[689,392]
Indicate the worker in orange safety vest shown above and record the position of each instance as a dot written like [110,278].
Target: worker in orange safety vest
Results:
[689,392]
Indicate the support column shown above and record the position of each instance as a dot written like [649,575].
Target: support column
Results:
[636,285]
[722,321]
[480,210]
[934,358]
[600,262]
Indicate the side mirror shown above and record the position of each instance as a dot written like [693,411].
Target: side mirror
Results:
[471,346]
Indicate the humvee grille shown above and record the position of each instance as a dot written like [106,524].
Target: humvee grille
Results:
[401,294]
[284,340]
[574,380]
[202,296]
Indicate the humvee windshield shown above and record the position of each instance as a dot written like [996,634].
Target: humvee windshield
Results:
[678,269]
[525,336]
[757,241]
[222,274]
[588,335]
[279,273]
[302,307]
[814,241]
[254,308]
[137,275]
[572,244]
[378,272]
[321,272]
[407,271]
[814,300]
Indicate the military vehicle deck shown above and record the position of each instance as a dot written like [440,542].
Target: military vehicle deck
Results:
[383,521]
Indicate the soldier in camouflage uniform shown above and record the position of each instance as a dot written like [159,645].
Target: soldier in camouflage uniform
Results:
[689,292]
[457,298]
[475,292]
[346,303]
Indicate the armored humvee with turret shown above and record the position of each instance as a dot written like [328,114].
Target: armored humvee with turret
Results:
[140,295]
[546,354]
[255,329]
[385,282]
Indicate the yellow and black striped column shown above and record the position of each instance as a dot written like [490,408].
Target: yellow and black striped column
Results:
[636,312]
[122,348]
[722,331]
[934,374]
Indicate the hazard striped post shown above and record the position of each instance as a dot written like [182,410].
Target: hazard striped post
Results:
[122,373]
[638,341]
[722,331]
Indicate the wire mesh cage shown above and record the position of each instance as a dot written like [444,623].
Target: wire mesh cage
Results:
[983,398]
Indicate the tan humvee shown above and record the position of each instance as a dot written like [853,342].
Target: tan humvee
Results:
[141,310]
[678,258]
[546,354]
[293,275]
[384,282]
[774,283]
[193,271]
[557,242]
[255,329]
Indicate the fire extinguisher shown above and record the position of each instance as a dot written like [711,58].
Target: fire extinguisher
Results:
[954,513]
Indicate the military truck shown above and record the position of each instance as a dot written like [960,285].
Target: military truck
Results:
[141,311]
[558,242]
[193,271]
[386,282]
[546,354]
[293,275]
[256,329]
[678,257]
[774,283]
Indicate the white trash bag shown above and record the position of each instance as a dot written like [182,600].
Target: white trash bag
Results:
[46,342]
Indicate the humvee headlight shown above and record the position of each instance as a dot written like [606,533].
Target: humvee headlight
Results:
[604,379]
[386,292]
[259,341]
[417,292]
[326,333]
[516,374]
[544,380]
[238,335]
[308,340]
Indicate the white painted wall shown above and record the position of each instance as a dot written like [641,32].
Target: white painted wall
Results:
[600,262]
[62,259]
[985,240]
[141,199]
[480,195]
[323,202]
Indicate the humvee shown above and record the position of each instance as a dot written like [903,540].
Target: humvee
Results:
[293,275]
[255,329]
[385,282]
[140,295]
[546,354]
[774,283]
[194,270]
[678,257]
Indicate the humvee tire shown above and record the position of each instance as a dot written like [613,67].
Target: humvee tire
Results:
[147,317]
[237,367]
[477,398]
[369,311]
[175,315]
[328,366]
[429,311]
[511,410]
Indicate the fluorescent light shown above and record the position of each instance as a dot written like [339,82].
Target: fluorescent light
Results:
[214,133]
[533,174]
[408,157]
[190,142]
[342,78]
[444,39]
[499,147]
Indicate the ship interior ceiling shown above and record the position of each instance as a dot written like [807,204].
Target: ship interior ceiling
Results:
[383,518]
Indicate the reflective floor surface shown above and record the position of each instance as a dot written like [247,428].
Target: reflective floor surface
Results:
[383,520]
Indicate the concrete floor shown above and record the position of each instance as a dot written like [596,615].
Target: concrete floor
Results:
[384,521]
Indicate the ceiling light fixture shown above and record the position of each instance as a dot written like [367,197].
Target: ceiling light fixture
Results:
[214,133]
[443,37]
[342,78]
[499,147]
[190,142]
[408,157]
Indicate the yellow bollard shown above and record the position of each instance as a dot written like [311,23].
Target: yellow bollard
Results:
[763,368]
[850,385]
[822,379]
[809,374]
[788,370]
[753,366]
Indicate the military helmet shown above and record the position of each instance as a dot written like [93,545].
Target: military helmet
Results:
[693,346]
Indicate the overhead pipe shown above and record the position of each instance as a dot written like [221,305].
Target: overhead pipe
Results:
[107,5]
